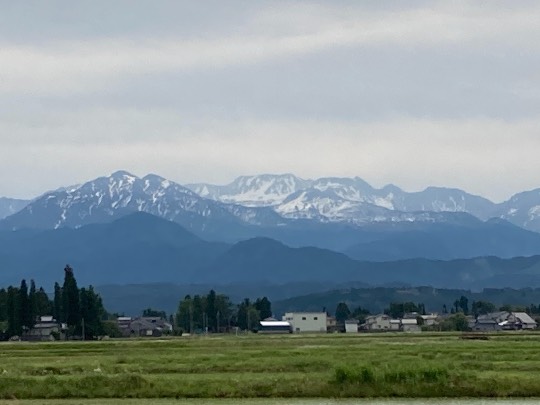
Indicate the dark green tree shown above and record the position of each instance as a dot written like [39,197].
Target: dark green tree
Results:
[464,305]
[224,311]
[154,313]
[456,322]
[184,314]
[58,312]
[399,309]
[342,312]
[43,304]
[360,314]
[92,312]
[25,313]
[211,311]
[32,303]
[3,305]
[13,313]
[253,318]
[242,314]
[455,307]
[70,301]
[482,308]
[264,306]
[199,316]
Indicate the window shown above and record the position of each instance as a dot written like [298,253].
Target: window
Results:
[315,318]
[303,318]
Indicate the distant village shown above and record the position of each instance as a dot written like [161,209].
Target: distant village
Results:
[305,322]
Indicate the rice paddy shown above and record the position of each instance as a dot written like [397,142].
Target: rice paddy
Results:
[279,366]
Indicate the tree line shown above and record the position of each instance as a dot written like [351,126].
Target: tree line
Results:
[216,313]
[80,309]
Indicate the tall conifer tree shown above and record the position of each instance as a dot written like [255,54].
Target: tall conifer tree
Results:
[25,314]
[13,313]
[58,313]
[32,304]
[71,300]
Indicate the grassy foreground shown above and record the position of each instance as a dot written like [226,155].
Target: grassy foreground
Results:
[286,366]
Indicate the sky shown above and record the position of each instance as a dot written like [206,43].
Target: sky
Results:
[416,93]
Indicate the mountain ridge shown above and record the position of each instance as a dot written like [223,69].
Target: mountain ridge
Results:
[251,204]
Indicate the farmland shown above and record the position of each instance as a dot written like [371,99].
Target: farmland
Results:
[286,366]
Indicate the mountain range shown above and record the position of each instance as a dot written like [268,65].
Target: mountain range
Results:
[269,232]
[345,215]
[260,201]
[354,200]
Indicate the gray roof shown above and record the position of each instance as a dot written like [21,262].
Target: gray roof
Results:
[524,318]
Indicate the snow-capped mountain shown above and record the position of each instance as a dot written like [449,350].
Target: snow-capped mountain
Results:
[9,206]
[342,199]
[440,199]
[106,198]
[253,191]
[265,201]
[522,209]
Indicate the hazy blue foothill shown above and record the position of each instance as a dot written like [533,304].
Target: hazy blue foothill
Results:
[141,248]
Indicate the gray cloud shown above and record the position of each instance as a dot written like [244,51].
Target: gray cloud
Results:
[414,93]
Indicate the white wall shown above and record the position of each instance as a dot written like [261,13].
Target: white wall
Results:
[306,321]
[351,328]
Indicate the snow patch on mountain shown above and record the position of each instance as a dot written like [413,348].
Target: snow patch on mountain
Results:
[253,191]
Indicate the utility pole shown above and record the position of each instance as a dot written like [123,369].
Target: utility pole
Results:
[83,336]
[217,322]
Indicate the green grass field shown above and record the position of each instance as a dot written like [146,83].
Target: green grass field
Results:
[281,366]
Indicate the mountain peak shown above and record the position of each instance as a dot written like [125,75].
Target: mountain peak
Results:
[123,174]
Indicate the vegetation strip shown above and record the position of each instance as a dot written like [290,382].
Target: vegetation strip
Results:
[285,366]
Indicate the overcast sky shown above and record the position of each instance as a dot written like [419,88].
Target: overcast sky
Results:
[411,93]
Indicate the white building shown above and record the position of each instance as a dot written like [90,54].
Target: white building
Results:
[351,326]
[306,321]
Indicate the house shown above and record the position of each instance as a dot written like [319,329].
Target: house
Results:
[504,320]
[379,322]
[331,324]
[143,326]
[123,323]
[430,319]
[395,324]
[484,323]
[523,321]
[351,326]
[46,329]
[306,321]
[409,325]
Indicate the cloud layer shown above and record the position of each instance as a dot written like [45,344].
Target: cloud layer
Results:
[427,93]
